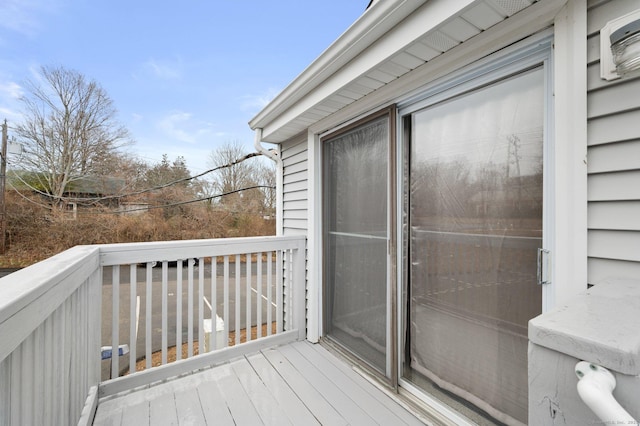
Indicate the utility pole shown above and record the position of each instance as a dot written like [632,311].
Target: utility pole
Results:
[3,179]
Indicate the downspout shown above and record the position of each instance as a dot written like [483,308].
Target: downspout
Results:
[595,387]
[275,156]
[262,150]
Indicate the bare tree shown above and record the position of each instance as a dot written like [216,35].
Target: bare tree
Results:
[227,180]
[245,186]
[265,175]
[69,129]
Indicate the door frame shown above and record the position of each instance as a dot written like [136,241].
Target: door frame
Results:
[529,55]
[390,377]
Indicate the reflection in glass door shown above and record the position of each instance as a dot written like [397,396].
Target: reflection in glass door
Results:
[475,227]
[355,240]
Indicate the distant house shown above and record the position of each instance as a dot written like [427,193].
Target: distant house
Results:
[97,190]
[394,148]
[134,209]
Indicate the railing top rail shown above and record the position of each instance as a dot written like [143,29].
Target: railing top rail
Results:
[29,296]
[24,286]
[115,254]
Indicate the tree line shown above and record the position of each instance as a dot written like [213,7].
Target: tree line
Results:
[74,153]
[71,136]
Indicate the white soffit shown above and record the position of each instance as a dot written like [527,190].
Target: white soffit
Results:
[428,29]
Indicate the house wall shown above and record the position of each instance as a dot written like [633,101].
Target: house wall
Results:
[295,192]
[613,155]
[295,205]
[301,211]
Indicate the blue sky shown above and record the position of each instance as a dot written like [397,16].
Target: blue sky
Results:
[185,76]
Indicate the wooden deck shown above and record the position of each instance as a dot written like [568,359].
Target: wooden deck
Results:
[295,384]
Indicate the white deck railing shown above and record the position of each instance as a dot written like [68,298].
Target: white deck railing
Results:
[51,320]
[50,338]
[244,284]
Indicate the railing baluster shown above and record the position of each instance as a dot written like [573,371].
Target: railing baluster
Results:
[213,336]
[238,302]
[165,305]
[26,362]
[299,291]
[133,317]
[58,360]
[259,295]
[249,291]
[226,301]
[149,315]
[289,289]
[279,295]
[179,311]
[190,308]
[292,291]
[115,319]
[49,368]
[201,305]
[269,293]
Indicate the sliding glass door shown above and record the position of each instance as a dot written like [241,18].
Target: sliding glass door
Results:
[356,235]
[474,208]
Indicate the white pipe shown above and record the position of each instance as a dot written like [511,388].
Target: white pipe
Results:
[272,154]
[595,387]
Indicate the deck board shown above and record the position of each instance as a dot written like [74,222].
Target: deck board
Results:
[265,404]
[342,402]
[214,407]
[319,407]
[296,411]
[188,407]
[137,415]
[297,383]
[163,410]
[239,403]
[374,396]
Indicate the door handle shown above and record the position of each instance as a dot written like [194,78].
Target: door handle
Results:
[543,266]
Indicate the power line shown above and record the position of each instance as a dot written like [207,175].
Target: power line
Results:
[177,181]
[180,203]
[95,200]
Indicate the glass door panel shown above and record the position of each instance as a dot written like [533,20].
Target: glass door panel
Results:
[475,216]
[355,236]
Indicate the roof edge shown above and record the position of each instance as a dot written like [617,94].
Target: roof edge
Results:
[379,18]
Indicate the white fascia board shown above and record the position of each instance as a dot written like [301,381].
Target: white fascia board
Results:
[378,19]
[368,50]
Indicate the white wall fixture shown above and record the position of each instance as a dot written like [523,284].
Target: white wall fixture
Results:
[620,46]
[595,387]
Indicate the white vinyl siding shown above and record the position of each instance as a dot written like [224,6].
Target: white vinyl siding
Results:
[613,158]
[295,195]
[295,182]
